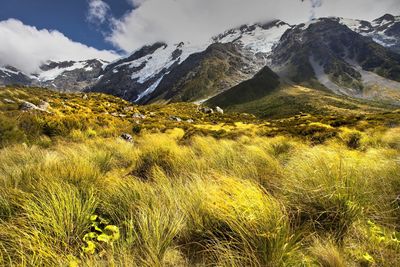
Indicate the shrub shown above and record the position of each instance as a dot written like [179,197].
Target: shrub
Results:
[9,132]
[352,138]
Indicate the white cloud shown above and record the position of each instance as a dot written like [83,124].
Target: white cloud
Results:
[136,3]
[98,11]
[26,47]
[197,20]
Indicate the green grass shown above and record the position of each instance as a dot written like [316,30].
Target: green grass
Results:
[227,190]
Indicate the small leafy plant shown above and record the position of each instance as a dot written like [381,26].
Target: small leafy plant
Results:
[102,234]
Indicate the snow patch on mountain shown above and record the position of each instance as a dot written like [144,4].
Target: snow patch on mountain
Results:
[149,90]
[256,38]
[9,72]
[377,29]
[51,74]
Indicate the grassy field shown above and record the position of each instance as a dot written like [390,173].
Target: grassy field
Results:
[221,190]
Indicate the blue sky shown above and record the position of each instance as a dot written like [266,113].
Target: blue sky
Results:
[66,16]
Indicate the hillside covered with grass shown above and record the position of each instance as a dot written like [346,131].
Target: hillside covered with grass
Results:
[192,188]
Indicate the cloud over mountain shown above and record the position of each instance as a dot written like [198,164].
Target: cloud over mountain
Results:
[197,20]
[26,47]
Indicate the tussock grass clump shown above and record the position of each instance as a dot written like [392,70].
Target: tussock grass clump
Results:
[51,223]
[327,254]
[329,188]
[237,221]
[162,151]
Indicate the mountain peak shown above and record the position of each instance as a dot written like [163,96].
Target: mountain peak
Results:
[386,17]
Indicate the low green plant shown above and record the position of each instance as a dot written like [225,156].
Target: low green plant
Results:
[102,235]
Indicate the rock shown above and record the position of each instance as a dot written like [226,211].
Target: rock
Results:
[138,116]
[127,137]
[85,97]
[175,118]
[207,110]
[190,121]
[25,105]
[115,114]
[219,110]
[43,105]
[8,101]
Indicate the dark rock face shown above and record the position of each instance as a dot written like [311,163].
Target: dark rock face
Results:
[52,65]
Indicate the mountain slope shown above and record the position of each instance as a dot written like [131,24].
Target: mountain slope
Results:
[325,53]
[262,84]
[205,74]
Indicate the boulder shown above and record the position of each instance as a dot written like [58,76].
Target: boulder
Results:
[8,101]
[207,110]
[127,137]
[175,118]
[138,116]
[25,105]
[219,110]
[127,109]
[43,105]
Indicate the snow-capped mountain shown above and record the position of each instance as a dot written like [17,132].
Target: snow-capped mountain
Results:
[62,76]
[140,76]
[258,38]
[343,55]
[346,56]
[384,30]
[140,73]
[327,53]
[69,75]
